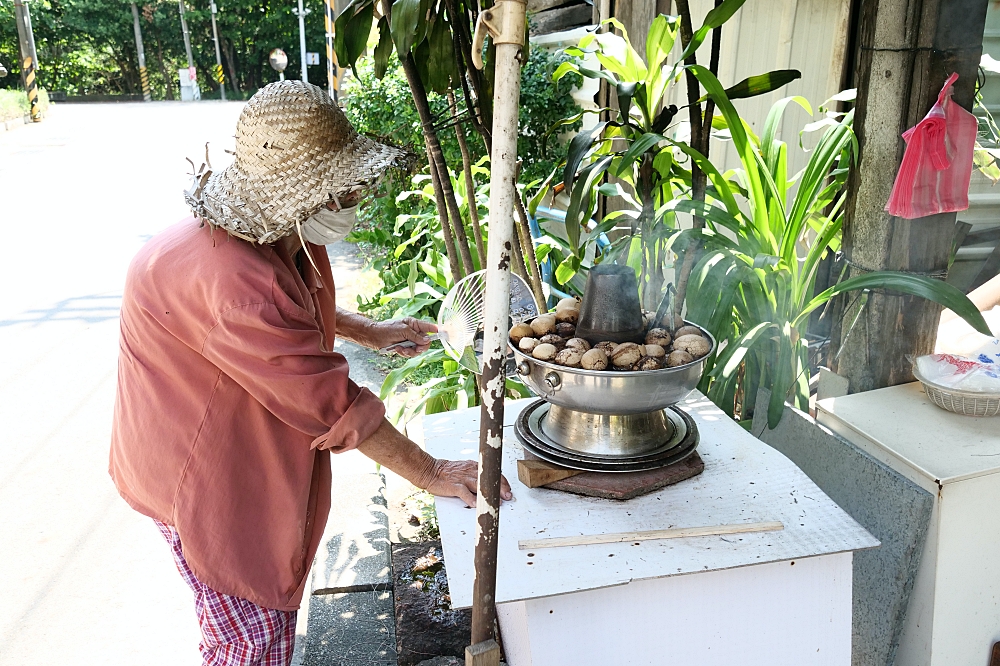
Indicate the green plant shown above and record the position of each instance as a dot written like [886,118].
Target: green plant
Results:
[754,286]
[635,148]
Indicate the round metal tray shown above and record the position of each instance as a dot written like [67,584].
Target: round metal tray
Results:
[679,446]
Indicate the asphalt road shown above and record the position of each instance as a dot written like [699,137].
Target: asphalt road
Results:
[83,578]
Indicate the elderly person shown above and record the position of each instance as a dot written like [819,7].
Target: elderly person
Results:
[230,396]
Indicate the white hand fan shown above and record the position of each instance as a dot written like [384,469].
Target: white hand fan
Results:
[462,313]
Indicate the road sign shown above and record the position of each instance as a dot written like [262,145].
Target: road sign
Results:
[312,58]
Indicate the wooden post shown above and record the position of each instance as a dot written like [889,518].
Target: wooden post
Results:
[907,48]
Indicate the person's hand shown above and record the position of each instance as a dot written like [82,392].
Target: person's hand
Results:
[458,478]
[386,333]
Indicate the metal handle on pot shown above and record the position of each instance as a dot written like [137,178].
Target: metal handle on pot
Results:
[552,381]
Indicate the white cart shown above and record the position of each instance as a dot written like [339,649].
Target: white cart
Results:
[770,599]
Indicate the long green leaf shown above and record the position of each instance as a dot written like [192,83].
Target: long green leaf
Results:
[659,41]
[831,146]
[635,151]
[729,360]
[703,209]
[578,148]
[405,21]
[581,200]
[384,48]
[441,65]
[352,28]
[715,18]
[939,292]
[773,121]
[748,156]
[783,378]
[762,83]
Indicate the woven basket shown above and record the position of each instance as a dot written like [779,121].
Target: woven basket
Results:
[966,403]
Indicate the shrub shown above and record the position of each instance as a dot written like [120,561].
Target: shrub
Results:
[14,103]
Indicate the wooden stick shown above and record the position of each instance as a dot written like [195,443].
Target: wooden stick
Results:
[536,473]
[675,533]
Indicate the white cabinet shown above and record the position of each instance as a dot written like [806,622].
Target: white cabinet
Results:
[954,612]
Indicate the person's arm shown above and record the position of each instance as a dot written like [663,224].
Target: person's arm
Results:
[378,335]
[444,478]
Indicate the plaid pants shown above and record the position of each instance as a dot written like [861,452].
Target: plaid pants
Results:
[234,631]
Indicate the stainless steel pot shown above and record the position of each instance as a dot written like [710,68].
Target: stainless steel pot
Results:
[610,391]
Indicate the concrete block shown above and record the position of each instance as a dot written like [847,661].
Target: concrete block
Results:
[355,548]
[351,629]
[895,510]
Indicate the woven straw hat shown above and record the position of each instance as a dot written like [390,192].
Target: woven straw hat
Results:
[295,150]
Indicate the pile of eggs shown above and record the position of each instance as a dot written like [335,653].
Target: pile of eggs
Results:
[551,337]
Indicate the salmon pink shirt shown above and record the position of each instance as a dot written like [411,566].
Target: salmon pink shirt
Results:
[229,404]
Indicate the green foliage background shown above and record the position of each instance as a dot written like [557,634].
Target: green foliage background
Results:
[383,108]
[88,46]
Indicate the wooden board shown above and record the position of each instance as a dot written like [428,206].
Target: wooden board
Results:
[744,481]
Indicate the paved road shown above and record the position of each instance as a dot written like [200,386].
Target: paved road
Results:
[83,578]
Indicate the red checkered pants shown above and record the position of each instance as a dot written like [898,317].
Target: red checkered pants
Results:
[234,631]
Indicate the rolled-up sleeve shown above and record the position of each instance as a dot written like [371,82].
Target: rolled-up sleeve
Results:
[275,356]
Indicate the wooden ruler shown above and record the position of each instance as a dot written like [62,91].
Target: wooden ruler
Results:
[674,533]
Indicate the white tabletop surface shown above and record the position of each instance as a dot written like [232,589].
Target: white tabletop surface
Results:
[944,446]
[744,481]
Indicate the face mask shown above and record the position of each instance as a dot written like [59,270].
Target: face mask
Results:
[327,226]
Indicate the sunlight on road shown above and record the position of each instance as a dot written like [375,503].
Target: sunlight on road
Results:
[84,579]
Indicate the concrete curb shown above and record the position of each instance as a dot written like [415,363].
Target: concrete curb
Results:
[895,510]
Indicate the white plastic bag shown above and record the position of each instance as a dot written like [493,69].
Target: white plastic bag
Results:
[978,373]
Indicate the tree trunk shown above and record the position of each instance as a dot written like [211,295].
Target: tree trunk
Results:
[436,156]
[439,176]
[528,250]
[230,60]
[907,50]
[470,183]
[167,79]
[701,131]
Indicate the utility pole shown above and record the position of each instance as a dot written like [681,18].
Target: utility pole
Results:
[218,53]
[331,58]
[187,48]
[143,75]
[302,40]
[26,42]
[906,50]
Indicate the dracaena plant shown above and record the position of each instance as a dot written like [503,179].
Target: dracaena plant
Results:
[754,287]
[630,153]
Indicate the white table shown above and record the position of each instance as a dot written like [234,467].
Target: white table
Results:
[775,598]
[954,610]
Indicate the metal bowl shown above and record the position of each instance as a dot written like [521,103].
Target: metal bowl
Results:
[610,391]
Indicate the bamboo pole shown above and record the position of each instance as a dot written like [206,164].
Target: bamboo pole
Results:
[505,22]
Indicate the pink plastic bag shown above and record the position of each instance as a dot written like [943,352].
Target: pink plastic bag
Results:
[937,165]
